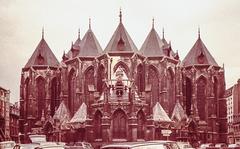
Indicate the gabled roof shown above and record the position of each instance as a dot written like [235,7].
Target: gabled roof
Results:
[77,43]
[178,113]
[81,115]
[121,41]
[152,45]
[42,55]
[89,45]
[199,55]
[62,113]
[159,114]
[75,46]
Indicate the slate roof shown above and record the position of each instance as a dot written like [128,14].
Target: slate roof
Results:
[42,51]
[121,36]
[81,115]
[199,55]
[62,113]
[178,113]
[75,46]
[159,114]
[89,45]
[152,45]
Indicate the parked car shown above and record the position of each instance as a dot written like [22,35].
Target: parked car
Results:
[50,145]
[207,145]
[173,144]
[78,145]
[234,146]
[184,145]
[7,144]
[42,145]
[221,145]
[137,145]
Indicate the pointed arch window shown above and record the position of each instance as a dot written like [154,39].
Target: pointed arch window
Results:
[71,90]
[54,95]
[188,93]
[100,81]
[27,97]
[98,125]
[89,80]
[154,82]
[40,95]
[119,125]
[140,78]
[201,97]
[170,90]
[216,96]
[140,125]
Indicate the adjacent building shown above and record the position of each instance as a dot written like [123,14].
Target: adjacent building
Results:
[123,93]
[229,98]
[233,105]
[14,122]
[4,114]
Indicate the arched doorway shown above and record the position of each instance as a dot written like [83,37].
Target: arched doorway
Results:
[141,125]
[98,125]
[119,125]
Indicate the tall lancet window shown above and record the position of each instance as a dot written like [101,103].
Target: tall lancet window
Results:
[188,93]
[170,90]
[88,82]
[154,82]
[140,78]
[201,97]
[71,90]
[100,81]
[27,97]
[41,94]
[215,105]
[54,95]
[98,125]
[140,124]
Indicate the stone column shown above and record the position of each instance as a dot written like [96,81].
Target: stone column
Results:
[133,128]
[106,134]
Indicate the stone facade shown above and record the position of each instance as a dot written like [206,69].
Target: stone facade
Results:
[4,114]
[14,122]
[120,87]
[233,102]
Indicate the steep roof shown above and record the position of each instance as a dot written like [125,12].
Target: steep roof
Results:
[178,112]
[77,43]
[81,115]
[121,41]
[199,55]
[42,55]
[62,113]
[152,45]
[89,45]
[159,114]
[75,46]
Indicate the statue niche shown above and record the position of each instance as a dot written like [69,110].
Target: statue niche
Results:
[119,86]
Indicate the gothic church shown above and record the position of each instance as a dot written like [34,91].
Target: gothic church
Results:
[123,93]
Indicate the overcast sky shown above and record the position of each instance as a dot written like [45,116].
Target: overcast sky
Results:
[21,22]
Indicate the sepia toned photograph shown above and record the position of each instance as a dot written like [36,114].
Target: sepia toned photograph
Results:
[119,74]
